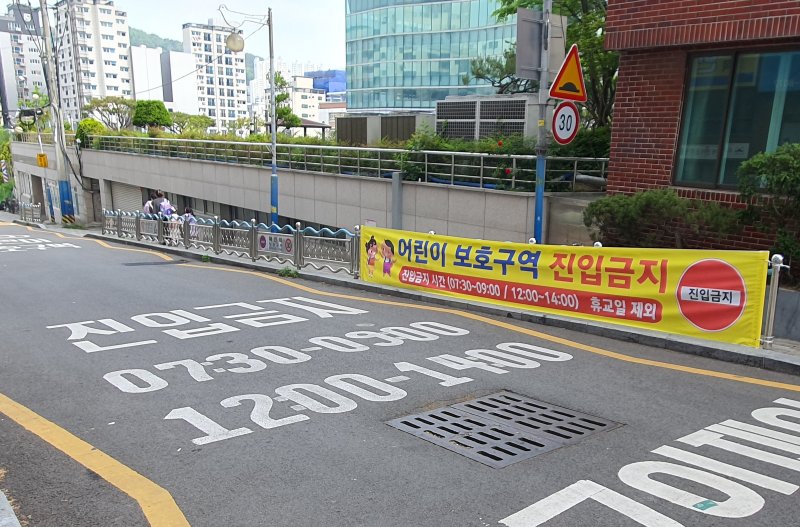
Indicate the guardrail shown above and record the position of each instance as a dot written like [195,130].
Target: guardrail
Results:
[47,138]
[30,212]
[493,171]
[301,247]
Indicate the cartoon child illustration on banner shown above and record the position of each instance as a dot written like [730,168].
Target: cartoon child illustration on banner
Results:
[387,250]
[372,252]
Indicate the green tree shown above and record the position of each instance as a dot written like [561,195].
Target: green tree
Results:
[283,110]
[37,101]
[6,189]
[770,185]
[115,113]
[152,114]
[184,122]
[89,127]
[500,73]
[586,27]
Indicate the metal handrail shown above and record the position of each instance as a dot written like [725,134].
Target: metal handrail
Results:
[472,169]
[325,249]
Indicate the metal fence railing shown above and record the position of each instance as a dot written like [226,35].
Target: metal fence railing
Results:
[321,249]
[480,170]
[46,138]
[30,212]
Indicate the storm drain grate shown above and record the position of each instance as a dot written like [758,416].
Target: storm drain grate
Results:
[535,417]
[501,429]
[473,436]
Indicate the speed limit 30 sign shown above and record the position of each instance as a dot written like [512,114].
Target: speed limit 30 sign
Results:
[566,122]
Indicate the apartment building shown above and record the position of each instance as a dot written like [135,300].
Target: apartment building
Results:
[21,69]
[93,53]
[164,75]
[304,99]
[221,77]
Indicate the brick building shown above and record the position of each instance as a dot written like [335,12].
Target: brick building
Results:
[702,86]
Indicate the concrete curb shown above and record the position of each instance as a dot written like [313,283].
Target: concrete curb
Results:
[767,360]
[7,516]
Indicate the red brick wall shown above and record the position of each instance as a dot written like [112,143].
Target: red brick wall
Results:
[647,113]
[640,24]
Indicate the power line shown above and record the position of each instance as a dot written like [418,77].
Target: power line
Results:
[205,64]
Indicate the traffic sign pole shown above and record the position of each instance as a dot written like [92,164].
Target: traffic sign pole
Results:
[541,145]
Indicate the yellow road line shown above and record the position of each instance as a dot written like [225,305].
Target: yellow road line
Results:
[146,251]
[525,331]
[157,504]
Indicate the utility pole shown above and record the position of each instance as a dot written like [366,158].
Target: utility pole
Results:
[543,139]
[65,194]
[52,90]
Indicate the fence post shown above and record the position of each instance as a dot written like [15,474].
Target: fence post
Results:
[253,240]
[160,228]
[187,233]
[119,223]
[216,234]
[298,246]
[355,253]
[769,324]
[138,226]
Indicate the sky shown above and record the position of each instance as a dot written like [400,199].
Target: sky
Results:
[304,30]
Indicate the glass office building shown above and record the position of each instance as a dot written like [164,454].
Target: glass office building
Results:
[408,54]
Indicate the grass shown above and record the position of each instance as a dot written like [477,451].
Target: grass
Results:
[288,272]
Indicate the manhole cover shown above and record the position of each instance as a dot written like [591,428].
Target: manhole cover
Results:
[502,428]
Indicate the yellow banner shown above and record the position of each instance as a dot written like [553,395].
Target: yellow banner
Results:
[717,295]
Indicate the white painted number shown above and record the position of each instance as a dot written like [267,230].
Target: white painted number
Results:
[410,334]
[534,352]
[260,414]
[214,431]
[440,329]
[195,369]
[502,359]
[253,365]
[119,379]
[387,340]
[338,344]
[390,393]
[460,363]
[341,403]
[447,380]
[276,354]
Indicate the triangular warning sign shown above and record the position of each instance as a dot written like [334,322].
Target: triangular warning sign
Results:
[569,81]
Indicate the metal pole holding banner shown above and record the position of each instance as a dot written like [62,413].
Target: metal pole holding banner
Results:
[541,145]
[355,252]
[776,262]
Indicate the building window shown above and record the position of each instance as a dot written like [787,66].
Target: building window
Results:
[736,106]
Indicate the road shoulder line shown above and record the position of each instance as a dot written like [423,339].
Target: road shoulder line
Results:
[156,503]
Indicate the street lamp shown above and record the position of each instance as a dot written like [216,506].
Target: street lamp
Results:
[235,43]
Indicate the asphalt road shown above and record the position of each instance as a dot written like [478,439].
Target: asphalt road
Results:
[252,400]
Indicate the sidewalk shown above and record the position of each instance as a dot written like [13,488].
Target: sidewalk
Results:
[7,516]
[784,357]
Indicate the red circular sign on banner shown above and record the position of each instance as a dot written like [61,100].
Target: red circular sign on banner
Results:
[711,295]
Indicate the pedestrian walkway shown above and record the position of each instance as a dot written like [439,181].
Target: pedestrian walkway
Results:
[7,516]
[784,357]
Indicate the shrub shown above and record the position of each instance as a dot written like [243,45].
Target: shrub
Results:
[88,127]
[655,218]
[770,185]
